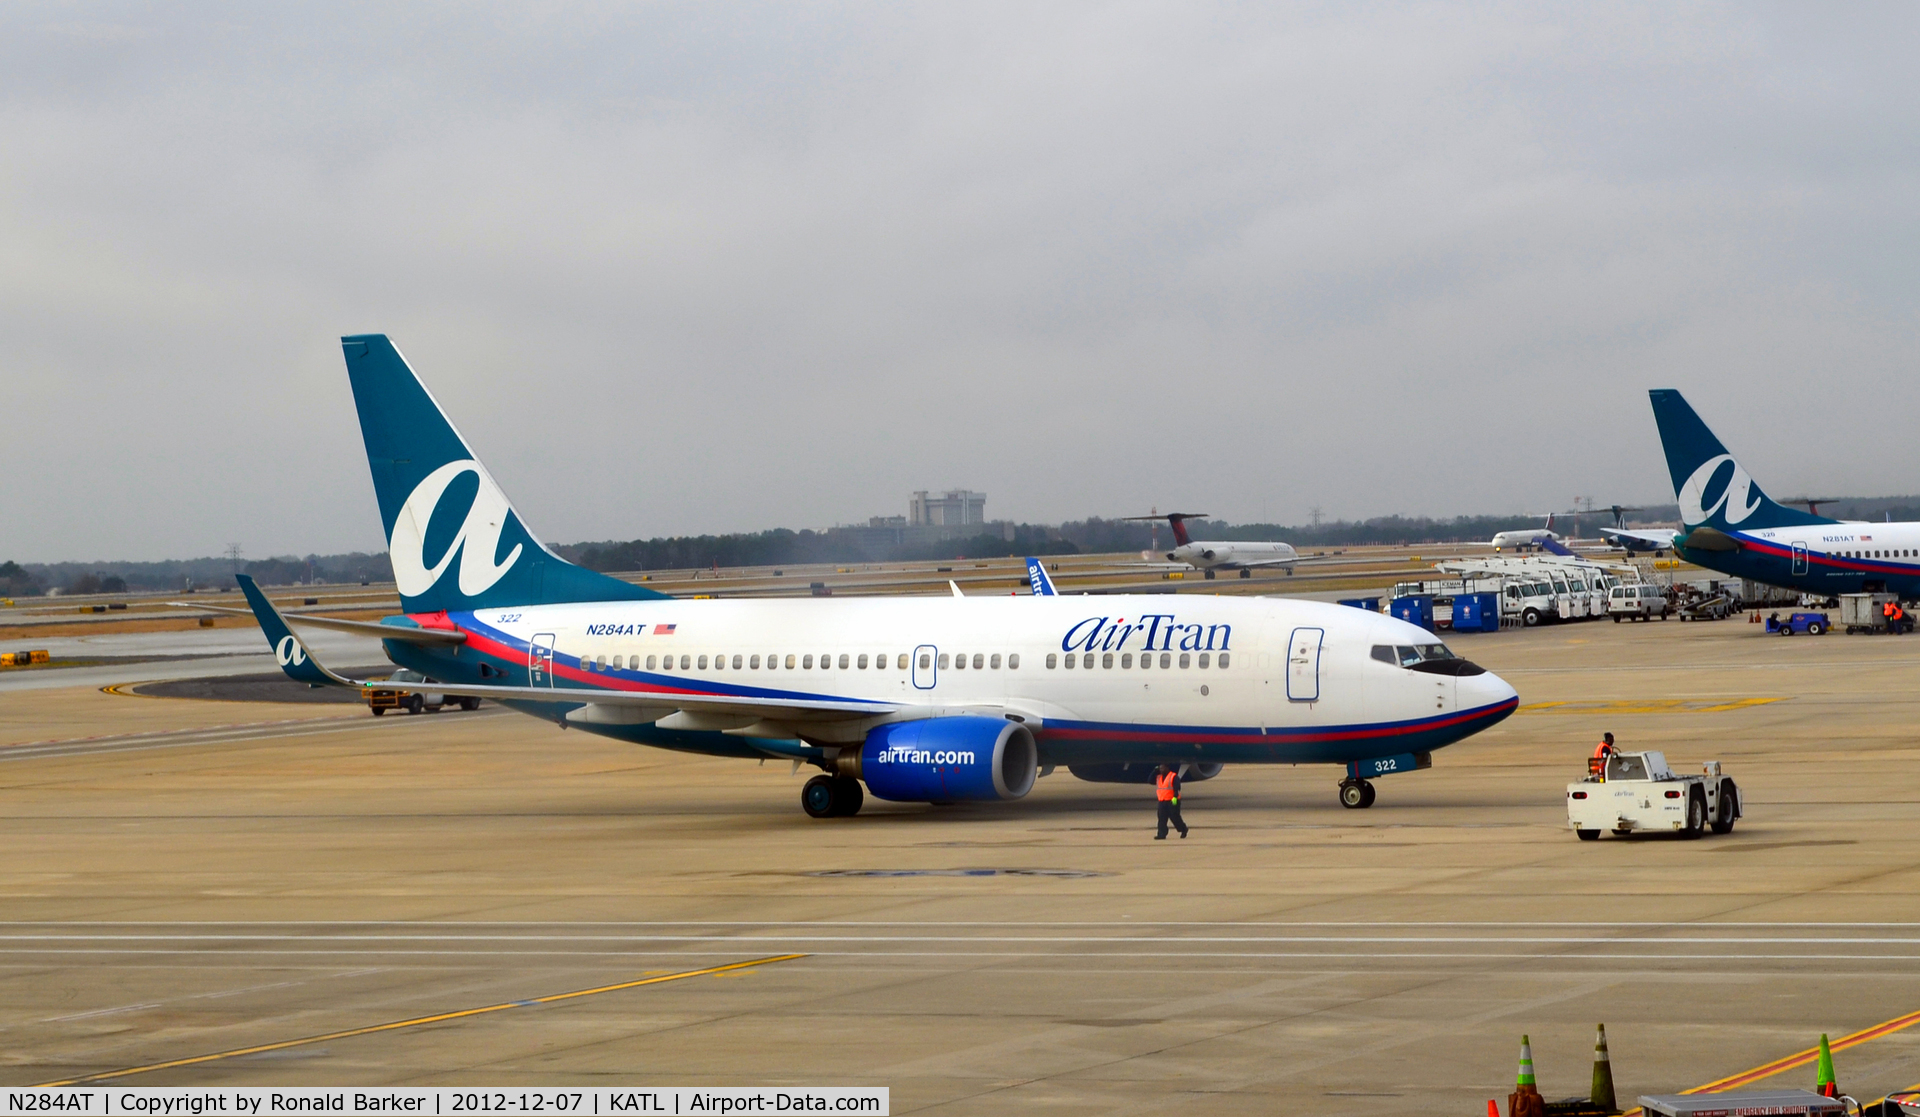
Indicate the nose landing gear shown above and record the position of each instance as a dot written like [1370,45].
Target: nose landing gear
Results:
[1356,794]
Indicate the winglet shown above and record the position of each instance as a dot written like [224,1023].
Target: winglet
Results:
[1037,576]
[287,649]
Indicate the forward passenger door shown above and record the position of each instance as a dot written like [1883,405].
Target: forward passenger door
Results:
[1303,664]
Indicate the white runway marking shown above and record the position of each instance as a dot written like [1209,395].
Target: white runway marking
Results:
[213,735]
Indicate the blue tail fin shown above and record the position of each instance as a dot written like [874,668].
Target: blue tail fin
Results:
[287,647]
[1697,461]
[455,541]
[1037,576]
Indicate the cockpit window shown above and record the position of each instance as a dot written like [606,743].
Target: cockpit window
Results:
[1384,654]
[1436,651]
[1407,656]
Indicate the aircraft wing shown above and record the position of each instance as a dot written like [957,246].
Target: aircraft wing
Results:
[405,633]
[1640,540]
[641,705]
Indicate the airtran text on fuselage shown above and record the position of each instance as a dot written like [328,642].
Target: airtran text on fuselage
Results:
[1157,632]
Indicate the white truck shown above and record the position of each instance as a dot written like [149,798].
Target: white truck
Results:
[1636,791]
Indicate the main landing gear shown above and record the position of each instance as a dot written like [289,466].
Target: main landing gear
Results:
[1356,794]
[832,796]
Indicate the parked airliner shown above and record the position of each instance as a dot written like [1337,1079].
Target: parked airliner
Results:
[923,699]
[1729,525]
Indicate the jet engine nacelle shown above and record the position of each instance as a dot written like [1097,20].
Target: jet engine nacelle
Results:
[1138,772]
[949,759]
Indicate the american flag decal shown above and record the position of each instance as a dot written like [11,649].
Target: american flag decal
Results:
[664,629]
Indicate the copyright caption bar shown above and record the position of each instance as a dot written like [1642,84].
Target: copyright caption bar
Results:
[264,1101]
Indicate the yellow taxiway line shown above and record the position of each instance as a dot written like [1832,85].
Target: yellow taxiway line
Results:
[1800,1058]
[419,1020]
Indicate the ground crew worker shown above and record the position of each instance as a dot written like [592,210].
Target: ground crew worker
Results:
[1598,765]
[1166,788]
[1894,614]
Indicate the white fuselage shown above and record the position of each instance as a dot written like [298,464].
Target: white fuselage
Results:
[1230,556]
[1531,537]
[1241,679]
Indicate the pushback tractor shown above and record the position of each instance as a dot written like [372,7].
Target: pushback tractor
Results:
[1635,792]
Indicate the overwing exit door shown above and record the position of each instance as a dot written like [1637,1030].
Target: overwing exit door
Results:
[926,666]
[1303,664]
[540,660]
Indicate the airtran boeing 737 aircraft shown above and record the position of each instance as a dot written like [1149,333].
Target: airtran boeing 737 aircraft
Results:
[924,699]
[1729,525]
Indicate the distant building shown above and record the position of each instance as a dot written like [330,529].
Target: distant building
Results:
[953,508]
[931,519]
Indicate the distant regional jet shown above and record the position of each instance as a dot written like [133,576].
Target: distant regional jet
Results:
[1211,557]
[1526,539]
[921,699]
[1729,525]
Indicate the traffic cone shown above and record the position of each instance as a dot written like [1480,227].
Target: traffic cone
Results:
[1525,1101]
[1826,1087]
[1602,1096]
[1493,1108]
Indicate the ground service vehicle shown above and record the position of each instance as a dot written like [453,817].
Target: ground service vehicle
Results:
[1637,603]
[382,699]
[1866,612]
[1636,791]
[1809,624]
[1714,608]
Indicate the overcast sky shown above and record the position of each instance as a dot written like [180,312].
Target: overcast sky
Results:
[681,268]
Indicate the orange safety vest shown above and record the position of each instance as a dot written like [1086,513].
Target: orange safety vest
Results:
[1164,784]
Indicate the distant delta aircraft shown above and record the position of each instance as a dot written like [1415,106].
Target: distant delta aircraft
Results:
[922,699]
[1729,525]
[1210,557]
[1525,539]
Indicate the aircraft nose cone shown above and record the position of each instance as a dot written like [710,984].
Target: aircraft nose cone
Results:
[1488,689]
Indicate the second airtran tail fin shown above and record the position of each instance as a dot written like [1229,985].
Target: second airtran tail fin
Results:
[1037,576]
[1712,488]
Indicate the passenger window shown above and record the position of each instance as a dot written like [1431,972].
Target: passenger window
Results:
[978,661]
[1052,660]
[863,661]
[943,661]
[1107,660]
[959,662]
[616,663]
[1224,660]
[1126,660]
[1184,659]
[754,663]
[600,664]
[1166,660]
[926,661]
[1384,654]
[843,661]
[806,663]
[736,663]
[903,661]
[994,662]
[650,662]
[1068,662]
[684,661]
[1013,662]
[703,663]
[1203,661]
[789,663]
